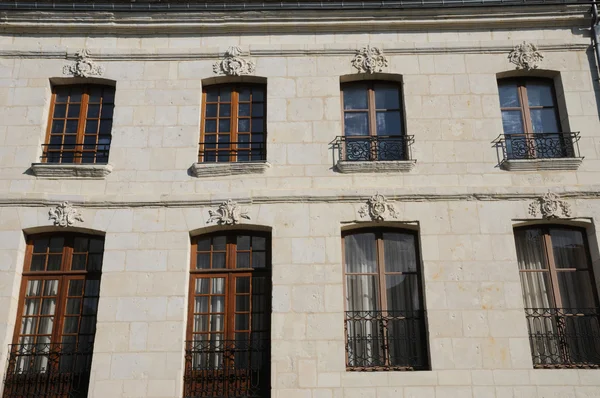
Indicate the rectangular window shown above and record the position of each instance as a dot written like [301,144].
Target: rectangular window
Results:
[233,123]
[373,122]
[80,126]
[228,333]
[385,321]
[53,342]
[559,292]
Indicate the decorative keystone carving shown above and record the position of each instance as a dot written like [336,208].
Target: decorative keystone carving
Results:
[83,66]
[525,56]
[550,206]
[228,213]
[369,60]
[377,207]
[64,215]
[234,65]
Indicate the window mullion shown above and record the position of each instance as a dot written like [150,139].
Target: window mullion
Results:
[381,274]
[234,123]
[49,129]
[81,125]
[525,110]
[549,252]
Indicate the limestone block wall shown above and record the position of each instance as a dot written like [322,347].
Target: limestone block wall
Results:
[463,206]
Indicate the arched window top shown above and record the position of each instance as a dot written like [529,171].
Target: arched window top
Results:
[80,125]
[231,250]
[233,127]
[64,252]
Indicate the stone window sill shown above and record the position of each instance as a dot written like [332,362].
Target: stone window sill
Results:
[228,169]
[541,164]
[378,166]
[59,171]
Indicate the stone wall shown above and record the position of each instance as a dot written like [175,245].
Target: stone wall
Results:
[463,206]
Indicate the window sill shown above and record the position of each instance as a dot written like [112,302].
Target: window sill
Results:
[58,171]
[541,164]
[228,169]
[376,166]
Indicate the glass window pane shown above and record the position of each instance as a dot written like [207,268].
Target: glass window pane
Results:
[244,125]
[243,260]
[210,126]
[576,289]
[73,306]
[224,125]
[107,111]
[389,123]
[211,110]
[91,127]
[242,285]
[530,249]
[569,248]
[88,325]
[54,262]
[540,93]
[48,306]
[360,253]
[356,97]
[259,243]
[71,324]
[94,262]
[257,110]
[105,128]
[356,123]
[218,286]
[79,262]
[33,288]
[71,127]
[259,259]
[201,303]
[219,242]
[46,324]
[218,260]
[509,96]
[216,324]
[257,125]
[224,110]
[242,303]
[512,122]
[28,325]
[202,286]
[60,111]
[402,292]
[38,263]
[201,323]
[76,287]
[51,288]
[258,94]
[212,94]
[362,293]
[92,287]
[245,94]
[387,97]
[95,94]
[31,307]
[73,110]
[225,94]
[40,245]
[93,111]
[243,242]
[242,321]
[58,127]
[399,252]
[217,304]
[544,121]
[90,306]
[203,261]
[203,244]
[96,245]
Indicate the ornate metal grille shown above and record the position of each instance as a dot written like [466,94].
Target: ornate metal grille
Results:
[538,146]
[227,368]
[369,148]
[232,152]
[564,337]
[48,371]
[389,340]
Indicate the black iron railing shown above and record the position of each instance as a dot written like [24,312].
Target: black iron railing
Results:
[232,152]
[371,148]
[386,340]
[48,371]
[538,146]
[227,369]
[86,153]
[564,337]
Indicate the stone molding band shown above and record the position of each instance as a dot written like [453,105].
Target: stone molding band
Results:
[165,55]
[302,199]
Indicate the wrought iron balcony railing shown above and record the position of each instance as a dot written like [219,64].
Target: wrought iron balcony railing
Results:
[564,337]
[538,146]
[227,369]
[48,371]
[211,152]
[386,340]
[86,153]
[373,148]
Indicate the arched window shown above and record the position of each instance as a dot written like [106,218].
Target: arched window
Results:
[560,296]
[233,127]
[385,322]
[228,332]
[531,121]
[79,130]
[373,121]
[56,319]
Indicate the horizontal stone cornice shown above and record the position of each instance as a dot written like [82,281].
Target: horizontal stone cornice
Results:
[255,21]
[11,51]
[44,200]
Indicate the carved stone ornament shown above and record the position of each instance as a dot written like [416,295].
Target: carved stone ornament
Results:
[228,213]
[526,56]
[377,207]
[550,206]
[369,60]
[83,66]
[64,215]
[234,65]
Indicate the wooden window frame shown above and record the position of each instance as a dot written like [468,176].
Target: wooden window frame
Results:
[552,271]
[371,107]
[81,126]
[233,125]
[64,276]
[382,291]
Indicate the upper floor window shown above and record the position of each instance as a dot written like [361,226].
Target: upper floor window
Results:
[373,122]
[531,121]
[560,295]
[385,321]
[80,124]
[233,123]
[54,334]
[228,331]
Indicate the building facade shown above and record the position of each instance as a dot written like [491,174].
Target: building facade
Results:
[299,200]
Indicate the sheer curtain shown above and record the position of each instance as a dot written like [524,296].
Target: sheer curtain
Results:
[362,292]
